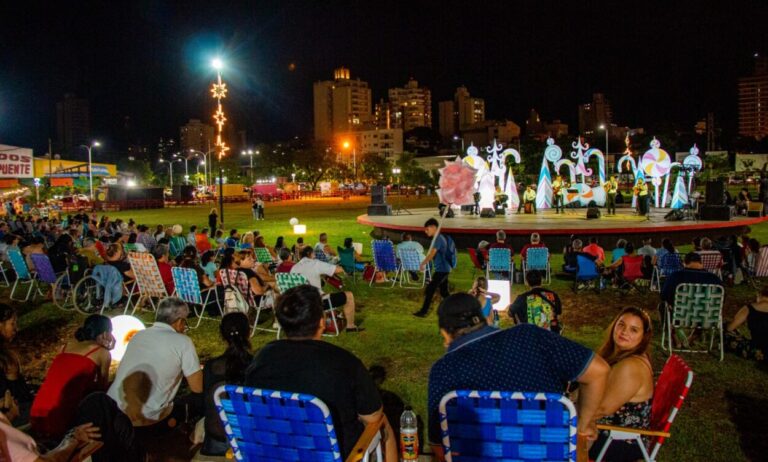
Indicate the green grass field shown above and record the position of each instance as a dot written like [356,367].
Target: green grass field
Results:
[722,420]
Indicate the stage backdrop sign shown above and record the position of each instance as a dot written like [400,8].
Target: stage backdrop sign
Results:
[746,162]
[15,162]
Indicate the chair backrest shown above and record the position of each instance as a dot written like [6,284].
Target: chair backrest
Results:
[670,263]
[176,245]
[320,255]
[43,268]
[633,267]
[276,426]
[187,285]
[347,258]
[18,264]
[287,281]
[587,269]
[537,258]
[384,255]
[698,305]
[130,247]
[410,259]
[238,279]
[147,274]
[761,268]
[473,256]
[668,396]
[499,259]
[502,425]
[711,261]
[263,255]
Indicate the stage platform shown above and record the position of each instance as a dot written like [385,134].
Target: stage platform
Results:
[555,229]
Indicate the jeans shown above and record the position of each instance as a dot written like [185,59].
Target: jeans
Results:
[610,203]
[558,203]
[439,280]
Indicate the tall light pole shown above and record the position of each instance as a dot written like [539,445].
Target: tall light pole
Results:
[205,162]
[170,169]
[249,153]
[219,92]
[186,167]
[94,144]
[346,146]
[604,127]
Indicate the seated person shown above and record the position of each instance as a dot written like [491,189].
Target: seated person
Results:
[742,201]
[617,267]
[314,269]
[619,250]
[296,249]
[229,368]
[160,252]
[486,299]
[594,249]
[629,391]
[203,241]
[755,316]
[90,253]
[81,368]
[348,247]
[537,306]
[571,262]
[36,245]
[177,241]
[529,197]
[409,243]
[752,255]
[304,363]
[482,253]
[324,247]
[11,374]
[693,273]
[286,261]
[259,242]
[190,260]
[535,243]
[233,240]
[666,248]
[208,265]
[260,278]
[246,242]
[116,257]
[482,357]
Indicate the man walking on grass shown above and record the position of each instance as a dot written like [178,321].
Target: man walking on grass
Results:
[439,255]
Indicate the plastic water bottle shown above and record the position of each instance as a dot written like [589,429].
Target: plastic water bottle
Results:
[409,437]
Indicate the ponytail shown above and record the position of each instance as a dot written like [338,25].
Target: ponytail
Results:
[235,330]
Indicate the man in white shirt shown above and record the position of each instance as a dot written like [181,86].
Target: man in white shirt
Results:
[323,246]
[647,250]
[313,270]
[150,373]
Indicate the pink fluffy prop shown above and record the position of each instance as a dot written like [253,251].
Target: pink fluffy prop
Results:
[457,183]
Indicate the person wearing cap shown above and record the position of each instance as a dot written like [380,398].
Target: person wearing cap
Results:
[529,197]
[523,358]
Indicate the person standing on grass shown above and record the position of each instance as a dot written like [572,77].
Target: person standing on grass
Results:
[439,255]
[260,204]
[255,209]
[213,221]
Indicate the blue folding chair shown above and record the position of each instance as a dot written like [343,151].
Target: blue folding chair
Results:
[23,275]
[537,258]
[668,263]
[586,274]
[410,261]
[384,259]
[480,426]
[187,287]
[499,262]
[275,426]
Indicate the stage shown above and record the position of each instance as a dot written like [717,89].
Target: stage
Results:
[555,229]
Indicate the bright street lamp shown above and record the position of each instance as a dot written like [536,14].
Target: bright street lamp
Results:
[605,128]
[90,147]
[204,162]
[250,153]
[346,146]
[217,64]
[170,168]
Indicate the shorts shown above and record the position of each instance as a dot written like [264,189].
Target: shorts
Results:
[337,299]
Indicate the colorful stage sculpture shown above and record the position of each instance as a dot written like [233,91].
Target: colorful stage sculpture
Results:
[493,175]
[629,161]
[581,192]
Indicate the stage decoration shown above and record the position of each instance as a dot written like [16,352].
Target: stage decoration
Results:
[655,165]
[693,165]
[687,170]
[577,192]
[628,161]
[484,181]
[501,170]
[219,92]
[553,154]
[457,186]
[124,327]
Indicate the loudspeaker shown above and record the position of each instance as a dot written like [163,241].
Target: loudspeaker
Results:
[674,215]
[379,210]
[717,212]
[487,213]
[378,195]
[715,192]
[592,213]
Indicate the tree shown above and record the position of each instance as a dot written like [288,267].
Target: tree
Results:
[374,167]
[140,169]
[312,164]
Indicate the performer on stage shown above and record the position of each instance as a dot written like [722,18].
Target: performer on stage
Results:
[558,193]
[611,187]
[529,197]
[641,191]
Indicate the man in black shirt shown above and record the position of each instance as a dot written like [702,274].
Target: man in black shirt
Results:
[304,363]
[694,273]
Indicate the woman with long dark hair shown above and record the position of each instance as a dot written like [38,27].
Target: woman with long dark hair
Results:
[629,390]
[228,368]
[11,376]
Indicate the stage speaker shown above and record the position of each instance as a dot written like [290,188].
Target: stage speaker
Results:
[487,213]
[592,213]
[674,215]
[379,210]
[716,212]
[715,192]
[378,195]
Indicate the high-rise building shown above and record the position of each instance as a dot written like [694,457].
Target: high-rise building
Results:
[753,101]
[463,111]
[412,105]
[534,125]
[196,135]
[386,143]
[73,123]
[483,133]
[593,115]
[340,105]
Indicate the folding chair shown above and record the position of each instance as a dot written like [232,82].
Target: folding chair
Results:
[696,306]
[384,259]
[281,426]
[668,396]
[149,283]
[668,263]
[4,267]
[23,275]
[475,261]
[712,261]
[238,279]
[537,258]
[632,272]
[320,255]
[287,281]
[499,261]
[263,255]
[410,261]
[761,268]
[587,274]
[58,282]
[187,287]
[504,425]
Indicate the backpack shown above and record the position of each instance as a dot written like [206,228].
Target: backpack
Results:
[450,251]
[234,300]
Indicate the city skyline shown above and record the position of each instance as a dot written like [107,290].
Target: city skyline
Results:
[664,66]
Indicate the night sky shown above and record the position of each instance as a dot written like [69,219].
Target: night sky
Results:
[660,65]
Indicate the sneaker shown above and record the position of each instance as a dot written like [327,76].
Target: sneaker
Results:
[420,314]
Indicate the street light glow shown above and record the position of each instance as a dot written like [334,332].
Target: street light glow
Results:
[96,143]
[601,127]
[346,145]
[217,63]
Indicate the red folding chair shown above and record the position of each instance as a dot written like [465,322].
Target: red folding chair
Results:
[475,262]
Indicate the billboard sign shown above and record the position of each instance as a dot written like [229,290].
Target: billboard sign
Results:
[15,162]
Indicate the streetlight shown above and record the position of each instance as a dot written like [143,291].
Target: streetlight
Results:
[605,128]
[94,144]
[186,167]
[204,162]
[249,153]
[457,138]
[170,168]
[396,172]
[346,146]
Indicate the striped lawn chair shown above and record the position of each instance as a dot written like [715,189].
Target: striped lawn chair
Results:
[149,284]
[286,281]
[668,396]
[499,262]
[537,258]
[712,261]
[4,268]
[410,260]
[263,255]
[384,259]
[187,287]
[238,279]
[280,426]
[761,268]
[668,263]
[504,425]
[23,275]
[696,306]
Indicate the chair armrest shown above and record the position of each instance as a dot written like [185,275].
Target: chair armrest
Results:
[372,430]
[638,431]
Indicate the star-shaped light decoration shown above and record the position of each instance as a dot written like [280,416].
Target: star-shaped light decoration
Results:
[219,118]
[223,148]
[219,90]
